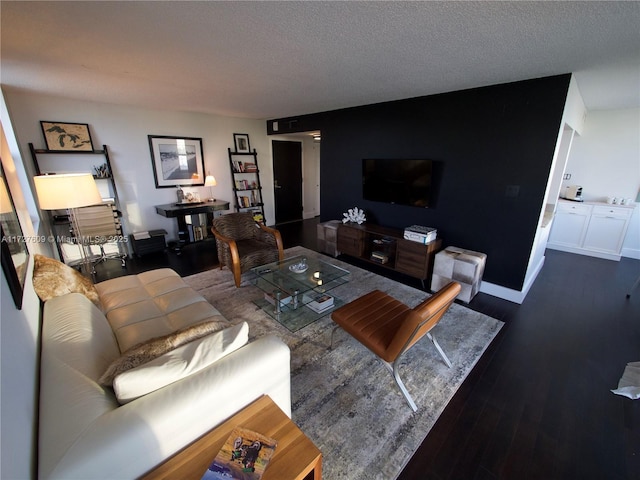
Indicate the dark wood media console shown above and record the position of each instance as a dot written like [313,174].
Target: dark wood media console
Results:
[388,248]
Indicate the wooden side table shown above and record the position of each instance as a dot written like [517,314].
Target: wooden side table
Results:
[295,456]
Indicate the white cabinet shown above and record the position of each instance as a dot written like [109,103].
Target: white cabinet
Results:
[607,228]
[594,229]
[570,224]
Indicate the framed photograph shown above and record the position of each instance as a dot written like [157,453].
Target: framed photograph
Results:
[15,255]
[67,137]
[177,161]
[241,141]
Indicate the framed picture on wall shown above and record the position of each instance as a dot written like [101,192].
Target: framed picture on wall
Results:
[177,161]
[15,256]
[241,141]
[67,137]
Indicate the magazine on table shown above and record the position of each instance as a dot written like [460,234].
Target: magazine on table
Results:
[244,456]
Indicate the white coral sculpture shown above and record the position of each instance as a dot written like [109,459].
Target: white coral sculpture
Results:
[354,215]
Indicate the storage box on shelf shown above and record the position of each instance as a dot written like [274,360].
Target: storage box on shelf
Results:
[148,242]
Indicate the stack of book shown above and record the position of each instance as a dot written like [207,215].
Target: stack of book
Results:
[244,201]
[418,233]
[270,297]
[320,303]
[379,257]
[257,216]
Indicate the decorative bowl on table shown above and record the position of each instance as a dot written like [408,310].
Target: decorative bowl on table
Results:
[299,267]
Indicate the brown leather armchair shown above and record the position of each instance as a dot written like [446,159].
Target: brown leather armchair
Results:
[389,328]
[243,243]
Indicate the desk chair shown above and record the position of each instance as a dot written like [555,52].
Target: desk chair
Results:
[100,226]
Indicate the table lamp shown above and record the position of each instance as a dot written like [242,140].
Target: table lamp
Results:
[68,191]
[210,181]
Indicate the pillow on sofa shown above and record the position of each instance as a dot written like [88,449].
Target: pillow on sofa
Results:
[179,363]
[145,352]
[52,278]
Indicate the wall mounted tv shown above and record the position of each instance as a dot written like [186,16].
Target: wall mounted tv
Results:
[398,181]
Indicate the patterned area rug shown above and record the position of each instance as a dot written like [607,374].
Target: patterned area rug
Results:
[344,399]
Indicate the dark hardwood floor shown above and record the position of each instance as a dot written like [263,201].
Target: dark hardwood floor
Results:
[538,404]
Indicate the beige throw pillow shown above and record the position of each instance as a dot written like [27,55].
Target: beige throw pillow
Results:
[52,278]
[145,352]
[179,363]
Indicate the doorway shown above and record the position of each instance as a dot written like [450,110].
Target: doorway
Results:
[287,180]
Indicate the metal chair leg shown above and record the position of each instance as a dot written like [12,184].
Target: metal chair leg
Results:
[393,368]
[440,351]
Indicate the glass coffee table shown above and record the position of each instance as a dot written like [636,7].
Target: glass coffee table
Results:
[297,290]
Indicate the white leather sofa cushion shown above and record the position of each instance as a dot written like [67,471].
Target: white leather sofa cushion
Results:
[78,345]
[151,304]
[179,363]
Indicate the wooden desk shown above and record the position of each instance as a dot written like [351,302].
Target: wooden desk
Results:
[180,212]
[295,456]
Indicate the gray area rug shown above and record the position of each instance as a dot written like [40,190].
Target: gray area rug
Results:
[344,399]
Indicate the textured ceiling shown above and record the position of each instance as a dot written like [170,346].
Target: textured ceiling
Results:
[276,59]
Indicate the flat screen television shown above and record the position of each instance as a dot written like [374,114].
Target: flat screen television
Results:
[398,181]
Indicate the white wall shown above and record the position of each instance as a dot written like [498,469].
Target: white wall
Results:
[310,177]
[124,130]
[605,161]
[19,333]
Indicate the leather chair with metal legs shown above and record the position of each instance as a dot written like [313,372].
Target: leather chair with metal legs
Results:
[389,328]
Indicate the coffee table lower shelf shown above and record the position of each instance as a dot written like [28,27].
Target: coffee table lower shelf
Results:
[295,456]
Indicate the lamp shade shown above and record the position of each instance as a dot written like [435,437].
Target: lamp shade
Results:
[210,181]
[68,190]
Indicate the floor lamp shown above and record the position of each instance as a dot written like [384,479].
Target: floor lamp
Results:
[68,191]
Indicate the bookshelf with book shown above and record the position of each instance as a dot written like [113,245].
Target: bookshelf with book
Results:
[245,178]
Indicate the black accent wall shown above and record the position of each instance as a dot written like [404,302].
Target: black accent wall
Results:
[492,146]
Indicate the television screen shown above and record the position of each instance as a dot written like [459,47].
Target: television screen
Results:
[403,182]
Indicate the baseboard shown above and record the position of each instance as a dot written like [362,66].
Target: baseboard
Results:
[515,296]
[631,253]
[509,294]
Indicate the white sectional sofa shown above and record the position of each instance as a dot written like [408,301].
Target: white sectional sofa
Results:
[85,432]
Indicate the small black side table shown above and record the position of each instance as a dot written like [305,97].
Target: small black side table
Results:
[180,212]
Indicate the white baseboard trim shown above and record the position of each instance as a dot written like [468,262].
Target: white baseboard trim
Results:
[631,253]
[515,296]
[509,294]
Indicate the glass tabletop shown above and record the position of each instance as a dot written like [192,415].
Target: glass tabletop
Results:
[296,289]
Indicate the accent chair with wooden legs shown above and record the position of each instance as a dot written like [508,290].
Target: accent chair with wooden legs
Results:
[389,328]
[243,243]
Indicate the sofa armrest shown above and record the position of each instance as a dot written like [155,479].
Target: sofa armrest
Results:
[134,438]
